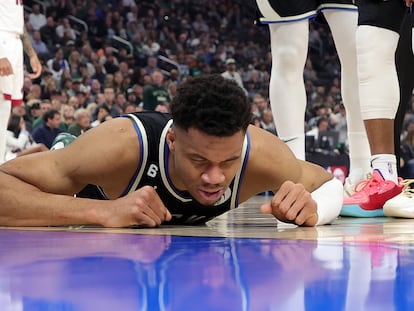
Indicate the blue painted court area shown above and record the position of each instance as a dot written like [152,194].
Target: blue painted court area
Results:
[41,270]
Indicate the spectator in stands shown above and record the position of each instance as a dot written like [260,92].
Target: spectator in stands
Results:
[82,122]
[341,126]
[36,18]
[33,109]
[45,106]
[48,33]
[111,64]
[47,132]
[118,82]
[97,30]
[82,97]
[232,73]
[58,65]
[131,97]
[266,121]
[68,116]
[320,110]
[261,103]
[62,8]
[151,65]
[120,101]
[39,46]
[156,93]
[64,31]
[322,125]
[103,114]
[47,76]
[35,92]
[49,89]
[109,95]
[18,140]
[74,87]
[74,64]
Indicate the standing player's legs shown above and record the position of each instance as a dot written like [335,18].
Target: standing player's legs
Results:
[405,71]
[289,47]
[377,37]
[289,35]
[403,204]
[379,93]
[343,25]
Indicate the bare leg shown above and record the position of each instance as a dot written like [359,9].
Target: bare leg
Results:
[379,94]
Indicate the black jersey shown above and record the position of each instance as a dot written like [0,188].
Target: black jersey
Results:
[152,170]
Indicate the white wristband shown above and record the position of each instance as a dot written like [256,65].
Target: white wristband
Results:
[329,198]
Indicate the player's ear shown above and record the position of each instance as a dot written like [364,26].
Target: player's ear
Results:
[171,139]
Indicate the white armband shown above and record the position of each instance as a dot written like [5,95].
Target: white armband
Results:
[329,198]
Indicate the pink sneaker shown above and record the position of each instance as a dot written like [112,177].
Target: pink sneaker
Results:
[370,196]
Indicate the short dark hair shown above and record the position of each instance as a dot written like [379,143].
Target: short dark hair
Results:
[50,114]
[212,104]
[105,107]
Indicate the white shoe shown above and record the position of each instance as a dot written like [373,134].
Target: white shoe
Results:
[402,205]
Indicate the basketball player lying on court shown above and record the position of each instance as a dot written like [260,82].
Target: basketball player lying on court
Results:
[147,169]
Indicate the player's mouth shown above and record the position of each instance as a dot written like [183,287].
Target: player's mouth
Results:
[211,196]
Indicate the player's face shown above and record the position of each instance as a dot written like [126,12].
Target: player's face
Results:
[203,165]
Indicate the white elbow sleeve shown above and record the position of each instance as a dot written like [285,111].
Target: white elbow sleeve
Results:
[378,81]
[329,199]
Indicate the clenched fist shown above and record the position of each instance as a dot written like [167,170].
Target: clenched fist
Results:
[292,203]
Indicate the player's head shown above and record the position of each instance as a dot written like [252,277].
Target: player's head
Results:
[211,104]
[211,115]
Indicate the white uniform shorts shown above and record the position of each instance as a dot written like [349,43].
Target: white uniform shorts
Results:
[11,86]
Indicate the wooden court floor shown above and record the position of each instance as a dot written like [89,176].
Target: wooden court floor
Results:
[242,260]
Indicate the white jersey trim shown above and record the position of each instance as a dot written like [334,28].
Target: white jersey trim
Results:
[163,169]
[144,151]
[337,6]
[237,178]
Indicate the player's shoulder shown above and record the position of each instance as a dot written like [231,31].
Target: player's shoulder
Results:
[269,154]
[264,139]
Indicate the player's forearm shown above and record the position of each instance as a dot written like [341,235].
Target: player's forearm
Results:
[22,204]
[27,45]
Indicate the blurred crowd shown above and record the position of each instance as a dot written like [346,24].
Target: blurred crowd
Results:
[104,58]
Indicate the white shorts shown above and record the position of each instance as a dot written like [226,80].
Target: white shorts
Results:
[11,86]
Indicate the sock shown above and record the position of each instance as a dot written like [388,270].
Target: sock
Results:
[386,164]
[359,156]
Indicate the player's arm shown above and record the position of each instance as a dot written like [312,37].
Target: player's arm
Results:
[37,189]
[31,53]
[305,194]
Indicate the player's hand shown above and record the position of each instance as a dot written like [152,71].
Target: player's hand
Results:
[409,2]
[36,67]
[6,68]
[142,208]
[292,203]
